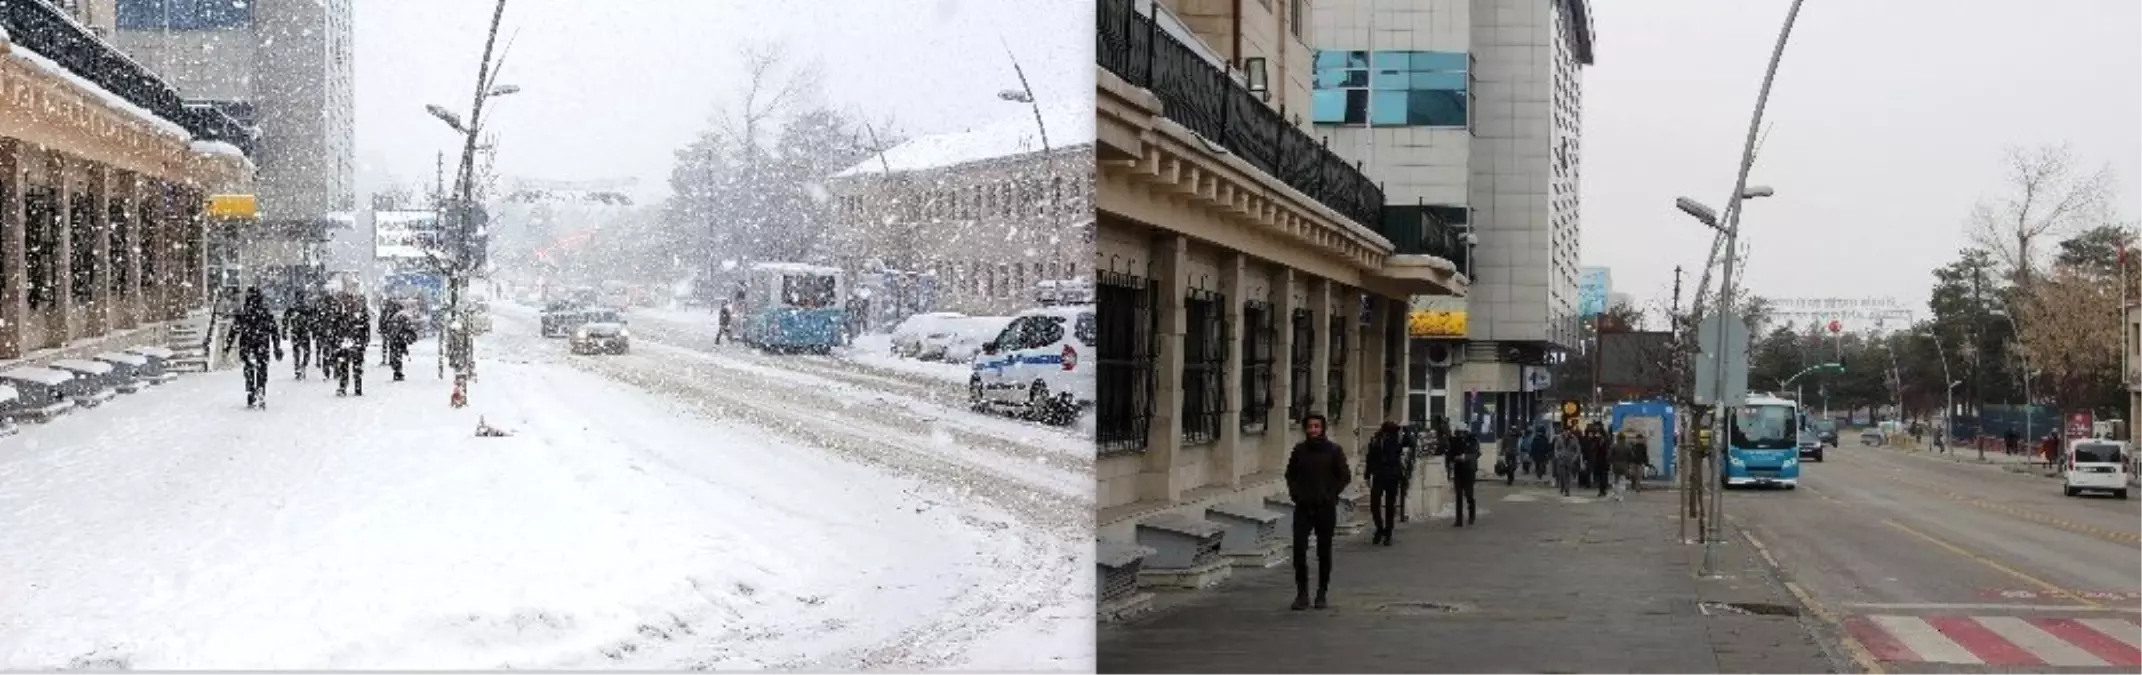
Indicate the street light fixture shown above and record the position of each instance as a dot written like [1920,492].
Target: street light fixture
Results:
[1696,209]
[447,116]
[1015,96]
[504,90]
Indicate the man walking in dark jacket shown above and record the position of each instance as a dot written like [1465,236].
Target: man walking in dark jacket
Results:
[1462,461]
[1316,474]
[1384,465]
[1598,457]
[256,335]
[298,325]
[397,330]
[326,324]
[353,333]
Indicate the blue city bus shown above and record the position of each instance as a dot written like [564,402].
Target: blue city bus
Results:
[790,307]
[1763,444]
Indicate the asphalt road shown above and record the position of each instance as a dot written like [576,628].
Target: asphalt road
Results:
[1925,565]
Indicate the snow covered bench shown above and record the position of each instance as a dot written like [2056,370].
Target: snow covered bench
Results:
[93,383]
[159,369]
[129,369]
[39,393]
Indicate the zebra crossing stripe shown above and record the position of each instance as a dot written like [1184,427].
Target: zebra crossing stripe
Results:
[2000,640]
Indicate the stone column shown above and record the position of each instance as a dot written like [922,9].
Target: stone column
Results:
[1229,450]
[69,185]
[1400,311]
[100,241]
[1320,359]
[136,228]
[14,272]
[1277,425]
[1165,435]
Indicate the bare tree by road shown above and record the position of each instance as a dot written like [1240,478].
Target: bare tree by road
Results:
[2048,197]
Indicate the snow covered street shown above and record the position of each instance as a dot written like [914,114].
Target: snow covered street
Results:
[677,507]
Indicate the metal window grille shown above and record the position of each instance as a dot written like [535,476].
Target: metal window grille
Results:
[82,254]
[1259,335]
[1304,350]
[1123,399]
[1336,391]
[1204,366]
[122,243]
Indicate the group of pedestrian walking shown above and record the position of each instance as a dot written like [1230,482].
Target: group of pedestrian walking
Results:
[1317,473]
[332,333]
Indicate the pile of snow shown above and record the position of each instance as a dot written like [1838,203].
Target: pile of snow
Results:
[1014,134]
[876,351]
[217,148]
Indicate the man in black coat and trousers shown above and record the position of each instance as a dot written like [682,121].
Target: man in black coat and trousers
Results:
[1384,466]
[256,335]
[326,322]
[1316,474]
[299,322]
[353,333]
[1462,462]
[397,330]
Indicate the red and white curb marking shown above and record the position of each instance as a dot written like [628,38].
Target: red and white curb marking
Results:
[2001,640]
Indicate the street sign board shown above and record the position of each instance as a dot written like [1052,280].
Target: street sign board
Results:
[1734,360]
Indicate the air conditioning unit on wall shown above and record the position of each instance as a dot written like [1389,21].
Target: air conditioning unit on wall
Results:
[1444,354]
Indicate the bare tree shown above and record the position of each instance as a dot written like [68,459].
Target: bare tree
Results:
[773,87]
[2049,196]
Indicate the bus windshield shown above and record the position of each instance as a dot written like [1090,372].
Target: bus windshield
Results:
[1764,427]
[809,291]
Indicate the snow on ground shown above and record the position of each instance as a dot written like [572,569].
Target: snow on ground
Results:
[175,529]
[876,351]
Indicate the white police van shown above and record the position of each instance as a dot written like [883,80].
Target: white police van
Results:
[1041,364]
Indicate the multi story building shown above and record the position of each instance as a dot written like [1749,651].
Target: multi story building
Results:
[979,216]
[105,185]
[1469,112]
[1244,280]
[284,68]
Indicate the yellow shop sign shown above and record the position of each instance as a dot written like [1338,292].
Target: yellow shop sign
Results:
[233,206]
[1435,324]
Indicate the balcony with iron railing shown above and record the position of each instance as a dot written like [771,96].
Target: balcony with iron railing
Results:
[1203,98]
[49,31]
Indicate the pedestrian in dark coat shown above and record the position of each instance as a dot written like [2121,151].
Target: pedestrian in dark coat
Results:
[256,335]
[1462,462]
[326,325]
[299,322]
[353,334]
[397,330]
[1598,457]
[1316,474]
[1384,468]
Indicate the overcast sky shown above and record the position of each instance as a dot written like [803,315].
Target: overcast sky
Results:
[1890,118]
[611,87]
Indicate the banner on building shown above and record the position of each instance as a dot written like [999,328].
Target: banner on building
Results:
[1436,316]
[233,206]
[1593,286]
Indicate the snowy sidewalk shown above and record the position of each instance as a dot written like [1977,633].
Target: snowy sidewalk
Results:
[616,528]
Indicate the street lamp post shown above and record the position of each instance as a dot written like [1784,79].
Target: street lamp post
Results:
[1732,242]
[456,334]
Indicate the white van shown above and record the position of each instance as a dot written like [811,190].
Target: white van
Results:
[2096,464]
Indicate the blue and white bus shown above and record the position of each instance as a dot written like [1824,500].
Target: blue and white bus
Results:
[1763,444]
[788,307]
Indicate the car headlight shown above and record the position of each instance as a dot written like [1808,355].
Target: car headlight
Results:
[1789,461]
[1736,461]
[623,333]
[581,334]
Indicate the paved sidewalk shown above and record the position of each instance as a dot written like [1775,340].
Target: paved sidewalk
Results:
[1543,584]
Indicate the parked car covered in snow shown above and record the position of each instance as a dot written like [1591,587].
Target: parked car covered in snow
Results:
[1042,363]
[908,336]
[602,332]
[964,339]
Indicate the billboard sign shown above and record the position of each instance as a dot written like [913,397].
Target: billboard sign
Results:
[1436,316]
[1593,286]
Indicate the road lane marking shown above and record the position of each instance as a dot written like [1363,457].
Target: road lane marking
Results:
[1983,642]
[1923,640]
[1989,562]
[1854,648]
[2107,534]
[2099,644]
[2048,647]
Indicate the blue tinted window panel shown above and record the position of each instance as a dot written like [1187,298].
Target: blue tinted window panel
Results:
[1435,108]
[140,14]
[1330,60]
[1392,79]
[1458,61]
[1357,59]
[1388,108]
[1357,106]
[1436,82]
[1327,78]
[1328,106]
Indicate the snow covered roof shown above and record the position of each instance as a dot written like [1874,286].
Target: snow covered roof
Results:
[217,148]
[46,376]
[83,366]
[123,357]
[114,100]
[1012,134]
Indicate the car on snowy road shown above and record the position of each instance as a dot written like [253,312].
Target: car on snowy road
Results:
[602,332]
[561,317]
[1042,364]
[907,337]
